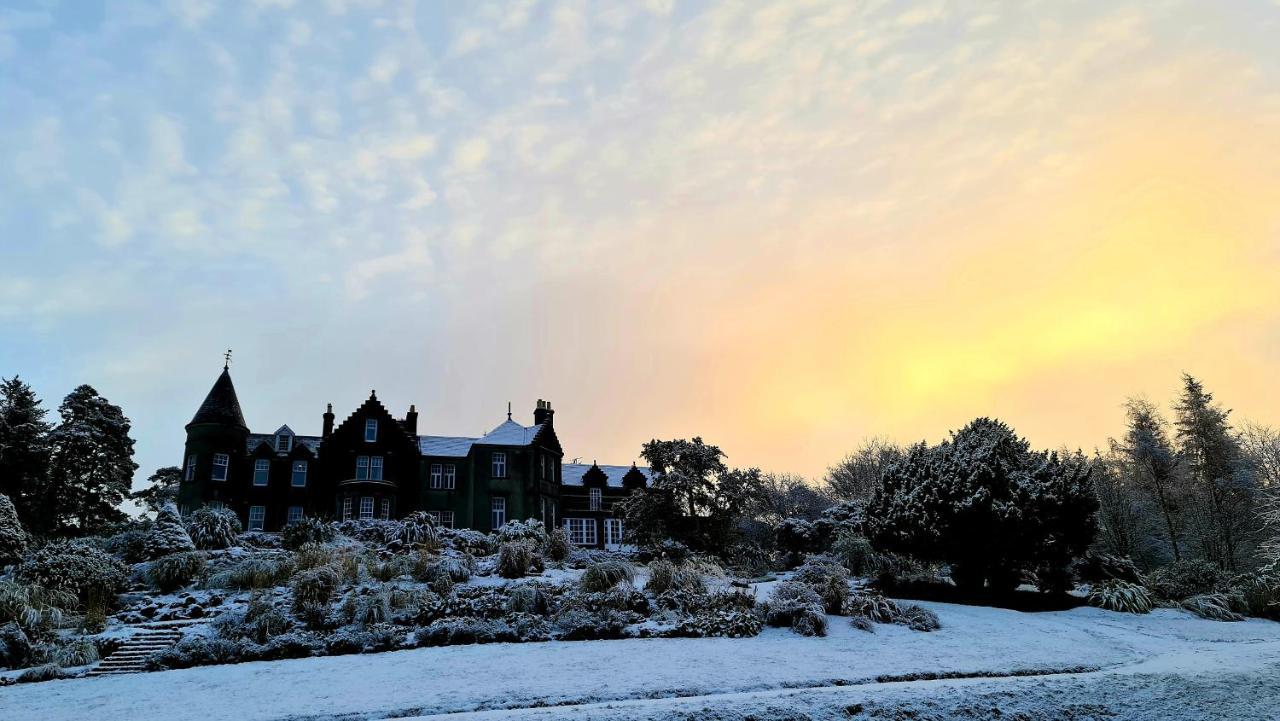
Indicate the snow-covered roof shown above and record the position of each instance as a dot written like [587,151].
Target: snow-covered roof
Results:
[452,446]
[510,433]
[571,473]
[312,443]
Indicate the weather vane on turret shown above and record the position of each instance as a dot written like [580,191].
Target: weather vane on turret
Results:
[226,360]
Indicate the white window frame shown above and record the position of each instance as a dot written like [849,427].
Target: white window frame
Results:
[437,475]
[221,461]
[386,509]
[582,531]
[613,530]
[497,512]
[370,430]
[362,468]
[190,475]
[595,497]
[293,474]
[261,470]
[295,514]
[442,518]
[261,513]
[346,508]
[287,441]
[498,467]
[450,479]
[375,468]
[366,508]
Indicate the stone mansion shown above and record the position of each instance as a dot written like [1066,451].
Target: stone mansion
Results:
[374,465]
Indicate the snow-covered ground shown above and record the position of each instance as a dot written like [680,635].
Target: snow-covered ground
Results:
[1168,664]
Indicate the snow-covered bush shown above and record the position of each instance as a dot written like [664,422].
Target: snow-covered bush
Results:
[290,645]
[727,622]
[260,540]
[863,607]
[527,598]
[307,530]
[313,555]
[467,540]
[448,570]
[47,672]
[419,528]
[1099,567]
[1120,596]
[618,598]
[666,549]
[798,606]
[830,580]
[77,652]
[605,575]
[94,576]
[665,575]
[129,545]
[856,554]
[530,530]
[862,623]
[213,528]
[356,639]
[515,558]
[1182,579]
[1256,594]
[13,540]
[254,574]
[917,618]
[259,622]
[202,651]
[168,535]
[456,631]
[36,610]
[1213,606]
[369,607]
[169,573]
[312,590]
[558,544]
[796,536]
[578,624]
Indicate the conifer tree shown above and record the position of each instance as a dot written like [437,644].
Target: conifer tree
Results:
[1153,465]
[91,467]
[13,540]
[163,488]
[24,445]
[168,535]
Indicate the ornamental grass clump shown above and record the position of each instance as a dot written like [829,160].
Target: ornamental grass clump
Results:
[516,558]
[176,570]
[307,530]
[1212,606]
[797,606]
[214,528]
[313,589]
[666,576]
[255,574]
[604,575]
[829,580]
[1120,596]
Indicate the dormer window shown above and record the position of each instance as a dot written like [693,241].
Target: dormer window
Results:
[370,430]
[284,443]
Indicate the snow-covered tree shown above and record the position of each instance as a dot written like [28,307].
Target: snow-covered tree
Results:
[24,445]
[212,528]
[168,535]
[91,468]
[856,476]
[987,505]
[13,540]
[1152,465]
[163,488]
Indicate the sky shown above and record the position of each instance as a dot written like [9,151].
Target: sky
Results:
[783,226]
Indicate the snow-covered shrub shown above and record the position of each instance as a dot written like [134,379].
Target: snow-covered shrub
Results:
[313,555]
[986,504]
[169,573]
[77,652]
[15,646]
[527,598]
[13,540]
[1256,594]
[457,631]
[468,602]
[871,606]
[748,558]
[796,536]
[515,559]
[618,598]
[467,540]
[386,570]
[666,549]
[128,545]
[1213,606]
[312,590]
[419,528]
[1120,596]
[727,622]
[829,579]
[290,645]
[254,574]
[856,554]
[168,535]
[447,571]
[213,528]
[798,606]
[355,639]
[307,530]
[47,672]
[201,651]
[862,623]
[605,575]
[578,624]
[33,608]
[259,622]
[917,618]
[530,531]
[368,607]
[665,575]
[1182,579]
[1099,567]
[558,544]
[91,574]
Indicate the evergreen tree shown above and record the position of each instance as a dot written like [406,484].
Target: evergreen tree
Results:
[24,445]
[1153,465]
[1225,485]
[163,489]
[168,535]
[91,467]
[13,540]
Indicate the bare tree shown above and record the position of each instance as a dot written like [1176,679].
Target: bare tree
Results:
[856,476]
[784,495]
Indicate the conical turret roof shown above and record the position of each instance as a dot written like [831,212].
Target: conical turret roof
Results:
[221,405]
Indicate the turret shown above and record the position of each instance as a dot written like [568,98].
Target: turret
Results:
[215,447]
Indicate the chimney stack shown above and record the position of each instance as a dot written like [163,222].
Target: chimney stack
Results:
[543,414]
[328,421]
[411,420]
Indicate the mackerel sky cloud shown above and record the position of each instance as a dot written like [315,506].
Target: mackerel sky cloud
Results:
[783,226]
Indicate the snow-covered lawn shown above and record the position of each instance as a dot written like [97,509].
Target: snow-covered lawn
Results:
[660,678]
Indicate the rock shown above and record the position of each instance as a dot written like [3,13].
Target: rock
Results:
[214,600]
[148,611]
[195,611]
[15,647]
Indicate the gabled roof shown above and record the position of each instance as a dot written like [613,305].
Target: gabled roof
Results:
[221,405]
[571,474]
[510,433]
[451,446]
[311,443]
[285,430]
